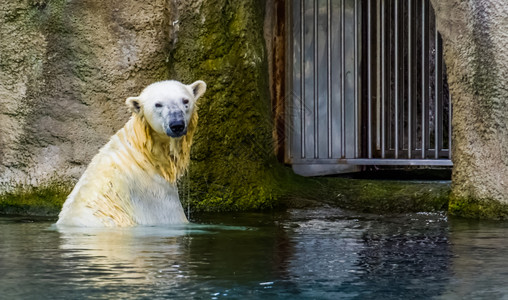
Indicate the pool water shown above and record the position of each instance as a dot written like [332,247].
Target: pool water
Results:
[323,253]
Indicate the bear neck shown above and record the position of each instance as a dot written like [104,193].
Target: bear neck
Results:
[169,157]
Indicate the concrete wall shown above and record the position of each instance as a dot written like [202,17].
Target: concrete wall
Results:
[475,44]
[66,68]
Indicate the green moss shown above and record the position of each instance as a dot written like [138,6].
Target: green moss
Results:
[233,166]
[43,200]
[48,14]
[369,196]
[477,208]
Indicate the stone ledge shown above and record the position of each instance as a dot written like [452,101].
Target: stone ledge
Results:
[371,196]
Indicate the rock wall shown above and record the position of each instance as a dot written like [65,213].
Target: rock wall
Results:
[66,68]
[475,44]
[221,42]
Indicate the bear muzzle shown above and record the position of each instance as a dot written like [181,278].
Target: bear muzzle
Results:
[176,129]
[175,124]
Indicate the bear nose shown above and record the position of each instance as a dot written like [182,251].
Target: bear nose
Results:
[177,126]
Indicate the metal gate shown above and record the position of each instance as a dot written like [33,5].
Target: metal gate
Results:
[368,86]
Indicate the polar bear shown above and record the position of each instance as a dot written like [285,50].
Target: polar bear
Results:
[132,180]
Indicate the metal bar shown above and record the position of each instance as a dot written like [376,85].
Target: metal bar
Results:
[425,76]
[288,78]
[389,72]
[329,74]
[303,131]
[383,78]
[374,161]
[450,133]
[415,83]
[342,81]
[378,75]
[439,94]
[315,79]
[438,122]
[369,79]
[397,162]
[410,79]
[356,54]
[397,79]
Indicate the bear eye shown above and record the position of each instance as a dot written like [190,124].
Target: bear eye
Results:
[185,101]
[158,105]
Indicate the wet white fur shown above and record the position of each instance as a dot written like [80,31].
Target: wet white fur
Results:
[132,180]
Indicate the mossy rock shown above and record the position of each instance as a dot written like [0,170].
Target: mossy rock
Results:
[43,200]
[233,165]
[488,209]
[370,196]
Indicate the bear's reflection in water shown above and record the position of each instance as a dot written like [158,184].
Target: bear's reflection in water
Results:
[130,256]
[197,258]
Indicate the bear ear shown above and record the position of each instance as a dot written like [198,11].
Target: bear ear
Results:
[134,104]
[198,88]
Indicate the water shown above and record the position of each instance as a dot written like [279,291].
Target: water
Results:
[300,254]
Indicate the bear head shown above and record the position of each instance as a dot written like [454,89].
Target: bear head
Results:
[167,106]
